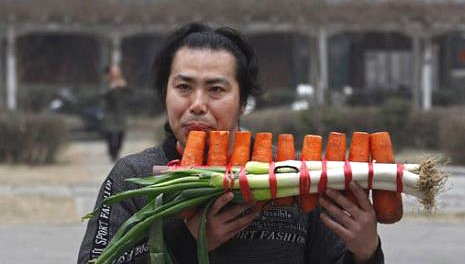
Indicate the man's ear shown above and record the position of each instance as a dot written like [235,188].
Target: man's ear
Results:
[243,109]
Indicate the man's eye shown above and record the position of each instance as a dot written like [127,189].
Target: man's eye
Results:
[217,89]
[183,87]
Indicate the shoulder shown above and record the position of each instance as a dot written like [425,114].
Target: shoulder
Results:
[154,156]
[139,164]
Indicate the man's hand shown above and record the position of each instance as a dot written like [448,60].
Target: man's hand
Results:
[355,224]
[224,222]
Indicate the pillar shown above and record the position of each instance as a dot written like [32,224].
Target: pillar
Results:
[11,77]
[116,49]
[427,74]
[322,85]
[318,71]
[2,72]
[417,71]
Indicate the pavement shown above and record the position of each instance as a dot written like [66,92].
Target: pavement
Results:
[41,207]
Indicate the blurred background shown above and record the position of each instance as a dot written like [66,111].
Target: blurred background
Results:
[328,65]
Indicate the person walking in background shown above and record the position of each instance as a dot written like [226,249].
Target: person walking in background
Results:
[114,110]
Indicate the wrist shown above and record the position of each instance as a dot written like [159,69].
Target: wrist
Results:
[366,256]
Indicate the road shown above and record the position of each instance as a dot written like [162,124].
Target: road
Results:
[414,239]
[409,242]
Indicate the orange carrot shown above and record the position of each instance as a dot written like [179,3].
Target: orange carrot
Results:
[286,150]
[262,149]
[359,151]
[193,156]
[218,148]
[311,150]
[387,204]
[336,146]
[283,201]
[241,151]
[311,147]
[194,150]
[360,147]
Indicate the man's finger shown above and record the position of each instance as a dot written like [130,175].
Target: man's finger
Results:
[343,202]
[242,222]
[233,212]
[335,226]
[220,203]
[336,212]
[361,196]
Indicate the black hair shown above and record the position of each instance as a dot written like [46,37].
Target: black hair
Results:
[199,35]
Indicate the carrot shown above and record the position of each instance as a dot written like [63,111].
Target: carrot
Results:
[360,147]
[387,204]
[286,150]
[241,151]
[311,147]
[218,148]
[262,149]
[336,146]
[359,151]
[194,150]
[311,150]
[193,156]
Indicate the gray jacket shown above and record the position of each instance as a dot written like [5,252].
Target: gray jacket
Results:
[278,235]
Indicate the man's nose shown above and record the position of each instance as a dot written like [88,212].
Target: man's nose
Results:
[199,105]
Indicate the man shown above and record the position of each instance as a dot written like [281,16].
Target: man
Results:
[204,77]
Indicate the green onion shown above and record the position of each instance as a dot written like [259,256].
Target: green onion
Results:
[186,188]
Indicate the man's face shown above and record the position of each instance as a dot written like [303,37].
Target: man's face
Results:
[202,92]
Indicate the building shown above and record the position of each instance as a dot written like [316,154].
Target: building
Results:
[410,45]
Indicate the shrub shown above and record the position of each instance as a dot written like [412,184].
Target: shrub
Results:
[394,114]
[35,98]
[275,97]
[422,129]
[275,120]
[452,139]
[31,138]
[440,129]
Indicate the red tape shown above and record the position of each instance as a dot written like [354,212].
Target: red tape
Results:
[304,180]
[244,185]
[228,178]
[347,174]
[173,163]
[399,176]
[231,180]
[273,181]
[371,174]
[323,183]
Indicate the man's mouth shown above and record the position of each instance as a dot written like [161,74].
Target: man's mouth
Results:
[197,127]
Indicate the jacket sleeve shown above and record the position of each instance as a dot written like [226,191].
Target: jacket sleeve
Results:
[108,218]
[328,248]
